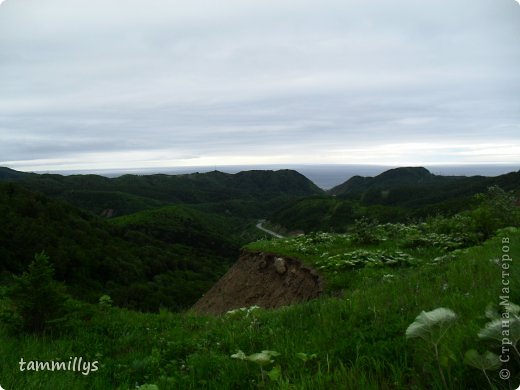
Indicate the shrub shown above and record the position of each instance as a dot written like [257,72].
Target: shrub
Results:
[364,232]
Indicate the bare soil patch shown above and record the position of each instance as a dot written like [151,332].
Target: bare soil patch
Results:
[263,279]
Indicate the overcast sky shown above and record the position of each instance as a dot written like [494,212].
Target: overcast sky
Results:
[125,83]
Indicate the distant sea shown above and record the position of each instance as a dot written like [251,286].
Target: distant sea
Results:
[324,176]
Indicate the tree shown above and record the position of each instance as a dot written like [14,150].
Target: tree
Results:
[36,298]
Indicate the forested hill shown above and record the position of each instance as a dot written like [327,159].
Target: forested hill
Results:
[167,258]
[131,193]
[396,195]
[396,185]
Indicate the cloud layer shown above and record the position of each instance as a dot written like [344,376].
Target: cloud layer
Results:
[124,83]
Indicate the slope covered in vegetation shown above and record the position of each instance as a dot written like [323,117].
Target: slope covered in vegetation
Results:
[416,186]
[353,341]
[397,195]
[166,258]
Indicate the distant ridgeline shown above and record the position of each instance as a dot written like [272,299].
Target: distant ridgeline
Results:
[396,195]
[168,239]
[130,193]
[418,184]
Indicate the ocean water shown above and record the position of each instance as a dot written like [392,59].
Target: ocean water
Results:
[324,176]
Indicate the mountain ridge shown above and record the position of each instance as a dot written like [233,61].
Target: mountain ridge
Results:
[133,193]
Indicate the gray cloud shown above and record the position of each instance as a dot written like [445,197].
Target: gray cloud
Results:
[86,83]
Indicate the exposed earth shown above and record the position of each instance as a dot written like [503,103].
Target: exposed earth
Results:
[262,279]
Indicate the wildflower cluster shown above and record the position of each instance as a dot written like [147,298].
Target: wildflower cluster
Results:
[316,243]
[446,242]
[364,258]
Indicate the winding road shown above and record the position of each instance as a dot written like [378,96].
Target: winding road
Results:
[259,226]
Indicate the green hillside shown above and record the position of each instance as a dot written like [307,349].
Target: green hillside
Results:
[417,187]
[143,261]
[187,226]
[331,214]
[397,195]
[355,340]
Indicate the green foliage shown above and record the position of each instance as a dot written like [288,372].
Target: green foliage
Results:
[332,214]
[35,298]
[306,357]
[364,232]
[375,246]
[485,362]
[275,373]
[364,258]
[503,326]
[368,244]
[357,339]
[167,257]
[497,209]
[431,326]
[315,213]
[147,386]
[105,301]
[502,333]
[263,358]
[405,194]
[183,225]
